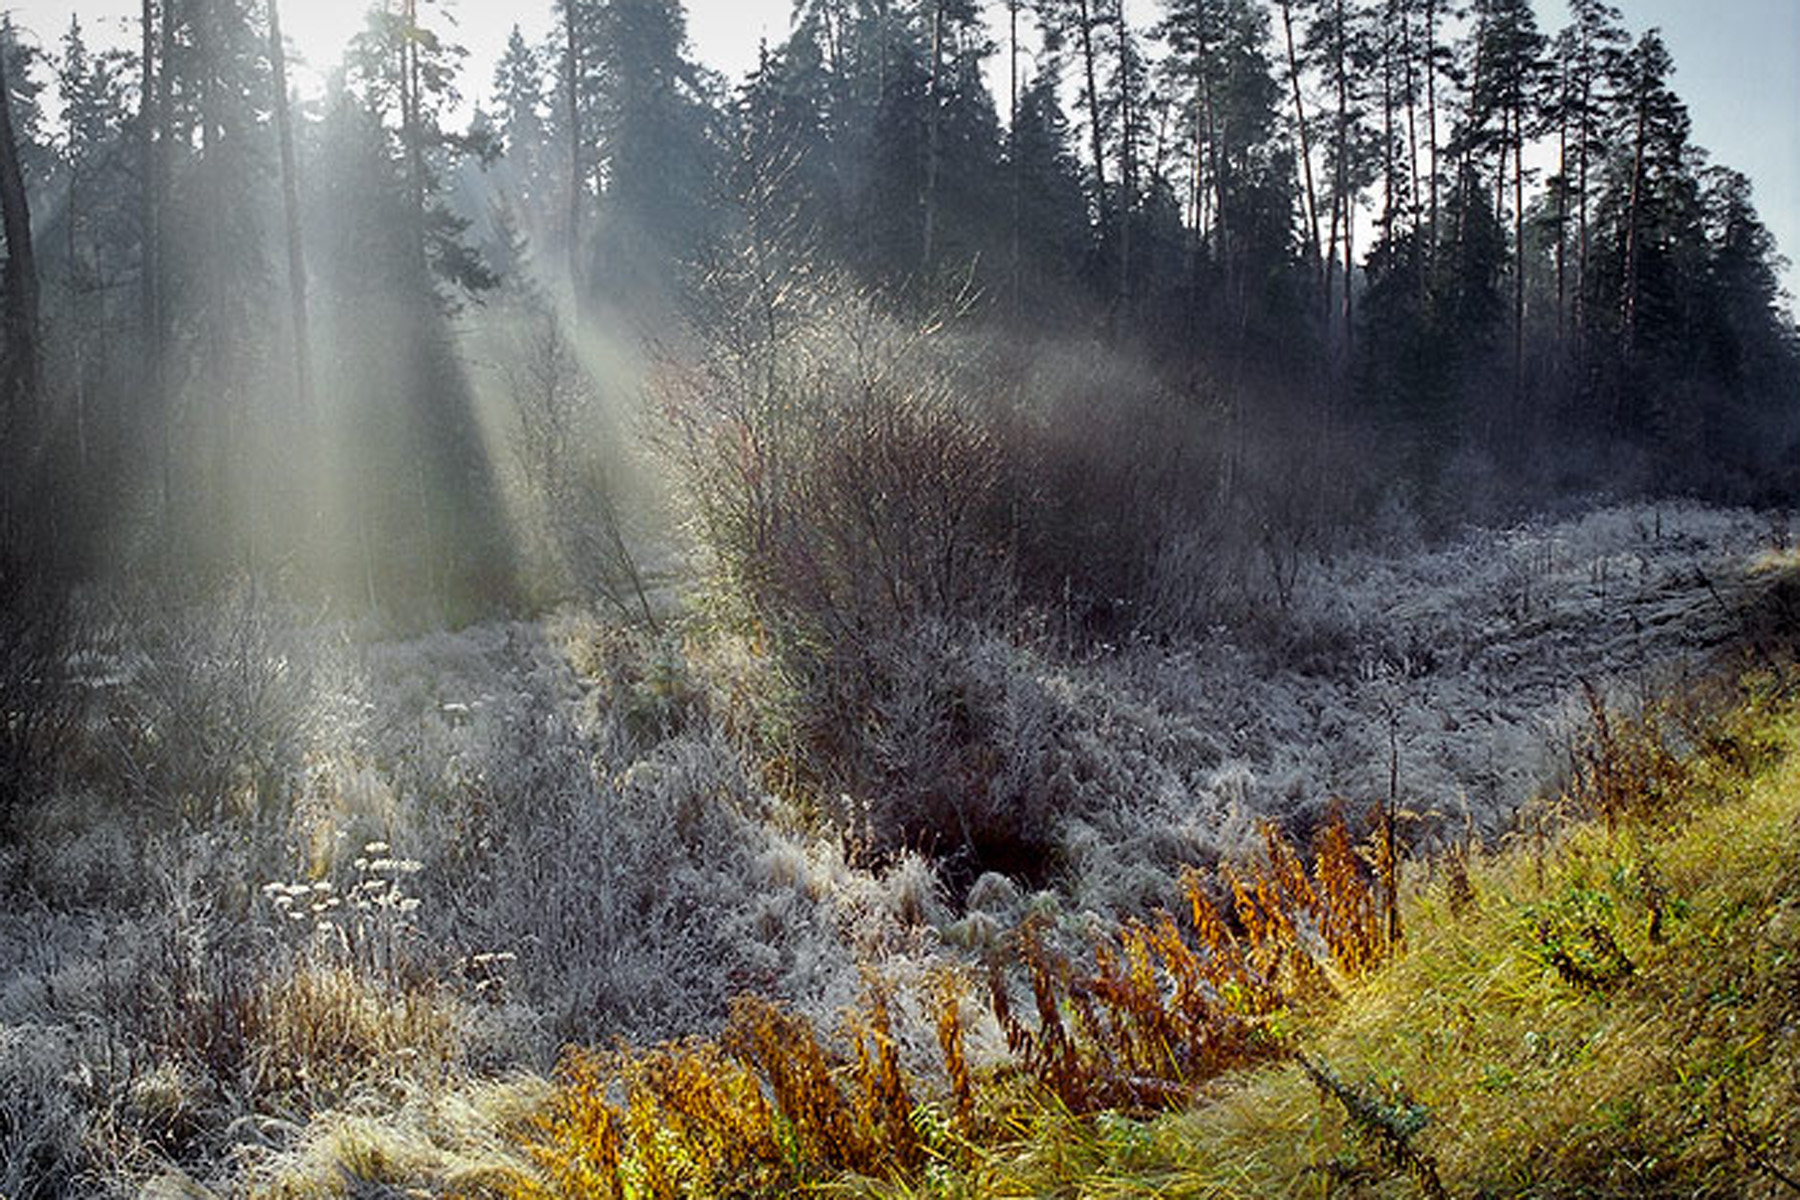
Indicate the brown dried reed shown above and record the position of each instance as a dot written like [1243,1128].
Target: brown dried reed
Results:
[1148,1014]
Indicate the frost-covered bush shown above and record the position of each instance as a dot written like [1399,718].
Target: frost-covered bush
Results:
[206,712]
[640,901]
[839,472]
[597,856]
[41,701]
[44,1116]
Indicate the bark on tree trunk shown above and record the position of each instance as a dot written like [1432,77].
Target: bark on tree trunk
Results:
[934,133]
[159,331]
[572,67]
[1018,182]
[1431,133]
[1562,219]
[148,209]
[1633,216]
[411,123]
[1518,141]
[1127,163]
[1097,137]
[1581,219]
[1306,170]
[20,281]
[1345,200]
[290,198]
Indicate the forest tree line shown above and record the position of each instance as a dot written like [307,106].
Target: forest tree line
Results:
[1434,222]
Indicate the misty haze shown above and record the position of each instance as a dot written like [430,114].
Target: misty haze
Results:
[1039,598]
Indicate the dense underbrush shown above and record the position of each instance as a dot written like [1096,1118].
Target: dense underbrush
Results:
[1579,1013]
[302,909]
[1606,1009]
[1603,1007]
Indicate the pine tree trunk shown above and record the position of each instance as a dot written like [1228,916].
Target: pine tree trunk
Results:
[19,285]
[1581,218]
[934,134]
[1018,181]
[1096,132]
[1431,128]
[412,121]
[1345,200]
[290,198]
[1562,218]
[1197,206]
[1633,216]
[1220,184]
[1306,170]
[1127,164]
[572,66]
[1388,162]
[149,215]
[1410,54]
[159,332]
[1518,141]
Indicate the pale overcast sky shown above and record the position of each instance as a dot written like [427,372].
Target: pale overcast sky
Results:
[1737,62]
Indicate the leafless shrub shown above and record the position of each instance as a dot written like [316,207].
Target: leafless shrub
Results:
[210,712]
[44,1118]
[838,477]
[40,702]
[578,512]
[632,897]
[1121,500]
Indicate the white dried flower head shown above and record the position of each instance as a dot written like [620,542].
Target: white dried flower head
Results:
[409,905]
[376,848]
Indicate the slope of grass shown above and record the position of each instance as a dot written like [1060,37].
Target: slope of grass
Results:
[1614,1011]
[1606,1006]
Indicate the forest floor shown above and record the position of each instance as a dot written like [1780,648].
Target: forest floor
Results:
[369,889]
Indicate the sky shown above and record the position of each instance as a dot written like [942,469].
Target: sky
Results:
[1737,63]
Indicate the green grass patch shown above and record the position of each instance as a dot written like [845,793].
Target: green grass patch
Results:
[1614,1013]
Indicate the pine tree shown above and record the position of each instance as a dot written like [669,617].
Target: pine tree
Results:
[656,157]
[1239,211]
[521,102]
[405,74]
[1503,103]
[1052,210]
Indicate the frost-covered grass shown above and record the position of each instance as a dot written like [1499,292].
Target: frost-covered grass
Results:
[1497,1053]
[314,900]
